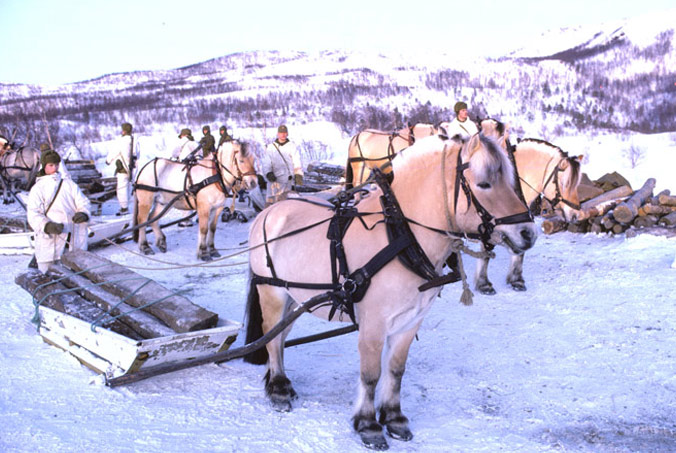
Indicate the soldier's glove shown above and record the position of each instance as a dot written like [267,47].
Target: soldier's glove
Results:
[54,228]
[80,217]
[271,177]
[298,180]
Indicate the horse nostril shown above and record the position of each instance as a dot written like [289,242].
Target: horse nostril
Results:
[527,234]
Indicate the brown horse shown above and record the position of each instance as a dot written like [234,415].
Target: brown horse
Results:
[203,186]
[545,172]
[372,148]
[18,169]
[290,244]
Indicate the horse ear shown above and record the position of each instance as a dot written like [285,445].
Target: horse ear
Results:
[579,158]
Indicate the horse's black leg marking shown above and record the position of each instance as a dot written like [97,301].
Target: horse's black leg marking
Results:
[280,391]
[370,431]
[161,244]
[146,249]
[203,253]
[486,288]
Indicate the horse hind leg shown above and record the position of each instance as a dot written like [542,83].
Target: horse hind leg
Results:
[142,210]
[515,275]
[261,318]
[203,222]
[211,238]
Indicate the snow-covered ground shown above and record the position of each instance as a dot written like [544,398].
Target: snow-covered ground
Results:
[582,361]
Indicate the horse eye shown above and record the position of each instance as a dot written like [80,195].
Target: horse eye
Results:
[484,185]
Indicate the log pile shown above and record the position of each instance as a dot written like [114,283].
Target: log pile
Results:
[321,176]
[114,297]
[97,188]
[609,205]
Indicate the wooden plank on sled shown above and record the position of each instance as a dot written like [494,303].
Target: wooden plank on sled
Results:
[174,310]
[53,294]
[106,351]
[143,323]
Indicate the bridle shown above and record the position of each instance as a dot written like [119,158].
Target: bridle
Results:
[488,221]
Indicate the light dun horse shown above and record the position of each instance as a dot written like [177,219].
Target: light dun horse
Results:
[18,168]
[545,171]
[204,187]
[393,307]
[372,148]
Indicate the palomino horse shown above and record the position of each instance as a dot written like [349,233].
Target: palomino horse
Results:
[290,245]
[372,148]
[18,168]
[544,171]
[203,186]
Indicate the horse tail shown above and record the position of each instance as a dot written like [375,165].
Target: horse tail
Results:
[254,325]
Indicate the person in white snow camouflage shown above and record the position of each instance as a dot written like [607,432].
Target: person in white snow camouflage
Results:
[57,211]
[462,125]
[185,146]
[281,166]
[124,154]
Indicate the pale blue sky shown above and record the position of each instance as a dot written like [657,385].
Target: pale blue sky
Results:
[59,41]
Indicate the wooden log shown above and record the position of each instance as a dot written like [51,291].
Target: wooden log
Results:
[616,194]
[645,221]
[587,192]
[174,310]
[146,325]
[578,227]
[619,228]
[610,181]
[626,211]
[608,221]
[668,220]
[667,200]
[658,210]
[656,199]
[553,224]
[596,228]
[598,210]
[69,302]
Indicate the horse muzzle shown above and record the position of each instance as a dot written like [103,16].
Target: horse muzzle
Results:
[518,237]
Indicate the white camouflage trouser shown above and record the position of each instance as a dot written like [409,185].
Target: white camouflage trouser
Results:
[123,190]
[277,191]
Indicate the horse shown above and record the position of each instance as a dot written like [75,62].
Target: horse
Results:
[290,242]
[543,171]
[372,148]
[18,168]
[202,185]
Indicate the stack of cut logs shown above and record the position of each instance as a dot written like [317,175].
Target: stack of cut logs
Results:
[97,188]
[114,297]
[609,205]
[321,176]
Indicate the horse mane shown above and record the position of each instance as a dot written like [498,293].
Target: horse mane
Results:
[492,163]
[554,151]
[499,126]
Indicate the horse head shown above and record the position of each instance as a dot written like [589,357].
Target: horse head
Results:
[238,164]
[491,204]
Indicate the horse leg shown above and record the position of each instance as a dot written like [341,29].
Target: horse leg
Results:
[144,202]
[391,416]
[515,275]
[481,282]
[278,387]
[211,238]
[364,419]
[160,238]
[203,221]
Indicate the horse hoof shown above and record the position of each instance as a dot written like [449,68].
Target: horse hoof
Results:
[204,257]
[162,247]
[281,405]
[225,217]
[518,286]
[486,290]
[215,254]
[147,250]
[374,441]
[399,432]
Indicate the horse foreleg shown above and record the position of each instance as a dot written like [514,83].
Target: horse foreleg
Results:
[211,239]
[364,419]
[515,275]
[278,387]
[203,210]
[391,416]
[481,282]
[160,238]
